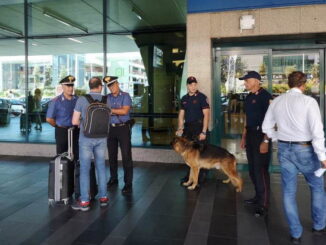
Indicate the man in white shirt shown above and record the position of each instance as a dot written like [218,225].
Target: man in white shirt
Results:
[301,148]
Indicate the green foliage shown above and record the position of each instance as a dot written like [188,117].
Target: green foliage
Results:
[80,92]
[314,71]
[48,92]
[289,69]
[240,67]
[280,88]
[262,69]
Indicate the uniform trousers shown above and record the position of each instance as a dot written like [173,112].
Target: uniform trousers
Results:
[258,166]
[120,136]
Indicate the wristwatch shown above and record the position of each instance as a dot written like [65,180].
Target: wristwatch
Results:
[266,141]
[204,133]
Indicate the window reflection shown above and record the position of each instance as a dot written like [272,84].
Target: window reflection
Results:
[66,37]
[150,69]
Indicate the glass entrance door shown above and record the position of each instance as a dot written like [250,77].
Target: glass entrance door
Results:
[274,67]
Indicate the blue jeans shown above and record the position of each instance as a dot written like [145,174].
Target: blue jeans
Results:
[296,158]
[89,147]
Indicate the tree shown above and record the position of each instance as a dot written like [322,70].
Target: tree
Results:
[289,69]
[36,74]
[314,71]
[262,69]
[48,76]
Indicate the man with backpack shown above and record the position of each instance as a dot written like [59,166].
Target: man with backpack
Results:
[92,115]
[120,134]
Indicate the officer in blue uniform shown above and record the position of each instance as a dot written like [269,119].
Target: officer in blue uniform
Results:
[193,119]
[119,134]
[59,115]
[256,143]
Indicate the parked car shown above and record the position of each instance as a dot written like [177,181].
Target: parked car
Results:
[17,107]
[5,110]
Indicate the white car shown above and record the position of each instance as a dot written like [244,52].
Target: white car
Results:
[17,110]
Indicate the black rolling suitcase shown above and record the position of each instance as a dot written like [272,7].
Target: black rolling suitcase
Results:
[92,179]
[61,175]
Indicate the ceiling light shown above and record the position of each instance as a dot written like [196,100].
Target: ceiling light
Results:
[64,20]
[10,30]
[138,13]
[34,44]
[247,22]
[21,41]
[74,40]
[179,34]
[130,37]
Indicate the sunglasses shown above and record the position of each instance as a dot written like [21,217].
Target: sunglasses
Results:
[69,85]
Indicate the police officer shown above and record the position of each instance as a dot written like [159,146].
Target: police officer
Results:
[119,134]
[59,115]
[258,147]
[193,119]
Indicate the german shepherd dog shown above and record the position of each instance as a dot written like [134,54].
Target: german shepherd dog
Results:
[209,156]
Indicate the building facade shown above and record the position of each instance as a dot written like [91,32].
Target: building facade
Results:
[152,47]
[41,41]
[227,38]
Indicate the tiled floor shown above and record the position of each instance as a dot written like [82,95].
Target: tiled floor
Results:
[159,211]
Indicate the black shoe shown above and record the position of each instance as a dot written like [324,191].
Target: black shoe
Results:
[319,232]
[251,201]
[296,240]
[127,189]
[112,182]
[260,212]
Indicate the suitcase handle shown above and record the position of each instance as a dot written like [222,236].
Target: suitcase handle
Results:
[70,155]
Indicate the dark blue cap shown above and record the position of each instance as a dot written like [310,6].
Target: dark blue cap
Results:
[251,74]
[191,80]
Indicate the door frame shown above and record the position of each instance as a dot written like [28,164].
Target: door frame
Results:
[218,52]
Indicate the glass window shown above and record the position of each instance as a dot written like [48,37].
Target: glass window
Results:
[49,17]
[12,77]
[286,62]
[49,61]
[66,37]
[233,94]
[151,73]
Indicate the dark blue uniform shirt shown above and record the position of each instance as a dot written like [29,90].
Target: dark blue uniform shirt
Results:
[193,106]
[62,109]
[256,105]
[122,99]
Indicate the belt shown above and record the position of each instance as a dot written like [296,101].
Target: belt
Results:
[194,123]
[256,128]
[65,127]
[118,124]
[296,142]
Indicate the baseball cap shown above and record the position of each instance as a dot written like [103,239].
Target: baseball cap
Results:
[191,80]
[251,74]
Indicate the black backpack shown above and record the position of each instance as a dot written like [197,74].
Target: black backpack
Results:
[98,115]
